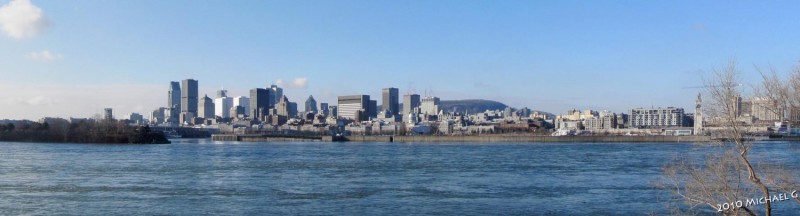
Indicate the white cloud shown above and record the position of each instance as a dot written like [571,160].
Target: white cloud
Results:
[299,82]
[42,101]
[44,55]
[20,19]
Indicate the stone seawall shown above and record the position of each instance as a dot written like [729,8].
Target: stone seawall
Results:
[490,139]
[484,139]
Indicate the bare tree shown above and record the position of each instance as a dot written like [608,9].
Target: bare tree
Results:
[728,175]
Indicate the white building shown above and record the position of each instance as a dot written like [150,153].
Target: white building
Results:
[222,107]
[657,117]
[430,106]
[242,101]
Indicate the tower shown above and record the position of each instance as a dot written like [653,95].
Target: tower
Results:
[311,105]
[391,101]
[698,116]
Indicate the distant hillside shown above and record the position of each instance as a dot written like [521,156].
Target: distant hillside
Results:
[470,106]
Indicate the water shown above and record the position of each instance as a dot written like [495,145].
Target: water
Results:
[192,177]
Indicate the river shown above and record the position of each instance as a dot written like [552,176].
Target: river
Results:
[193,177]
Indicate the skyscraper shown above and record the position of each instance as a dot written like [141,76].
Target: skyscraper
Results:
[391,101]
[222,107]
[189,96]
[259,102]
[323,107]
[410,102]
[206,108]
[311,105]
[350,107]
[243,102]
[276,93]
[222,93]
[372,109]
[108,114]
[173,101]
[430,105]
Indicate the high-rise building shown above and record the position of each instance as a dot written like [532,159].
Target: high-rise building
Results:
[410,102]
[222,107]
[206,108]
[108,114]
[157,116]
[222,93]
[282,107]
[311,105]
[276,93]
[259,102]
[372,110]
[430,106]
[243,102]
[350,107]
[323,107]
[173,101]
[292,109]
[391,101]
[189,96]
[333,111]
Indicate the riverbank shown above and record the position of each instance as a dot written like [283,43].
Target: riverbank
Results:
[483,139]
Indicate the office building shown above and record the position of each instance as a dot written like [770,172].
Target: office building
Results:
[276,93]
[242,101]
[656,117]
[391,101]
[282,107]
[173,101]
[206,108]
[108,114]
[430,106]
[410,102]
[333,111]
[311,105]
[222,93]
[372,109]
[189,97]
[259,102]
[323,107]
[292,109]
[351,107]
[222,107]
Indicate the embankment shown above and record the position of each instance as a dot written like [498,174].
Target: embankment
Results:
[483,139]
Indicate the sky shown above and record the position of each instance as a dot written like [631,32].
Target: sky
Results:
[74,58]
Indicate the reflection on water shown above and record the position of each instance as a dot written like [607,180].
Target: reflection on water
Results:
[193,177]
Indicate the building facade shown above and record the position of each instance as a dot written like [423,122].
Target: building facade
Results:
[656,117]
[353,106]
[410,102]
[311,105]
[189,99]
[391,101]
[259,103]
[430,106]
[206,108]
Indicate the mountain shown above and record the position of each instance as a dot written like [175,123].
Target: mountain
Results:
[470,106]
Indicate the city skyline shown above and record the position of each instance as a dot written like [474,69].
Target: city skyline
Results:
[72,59]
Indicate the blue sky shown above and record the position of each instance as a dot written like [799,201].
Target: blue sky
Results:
[546,55]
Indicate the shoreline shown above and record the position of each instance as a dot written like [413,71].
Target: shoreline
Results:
[465,139]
